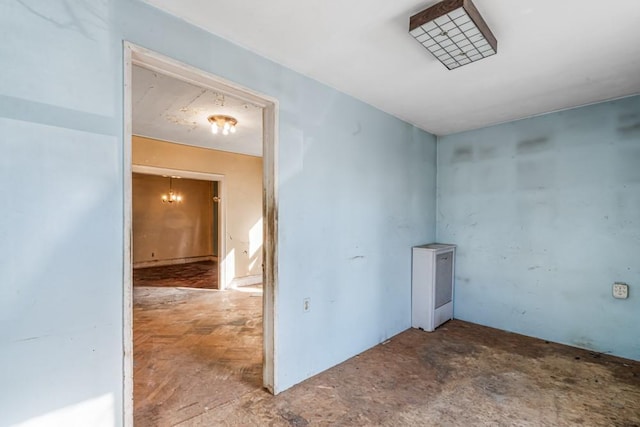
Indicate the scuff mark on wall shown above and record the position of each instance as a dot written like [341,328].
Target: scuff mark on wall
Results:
[462,154]
[29,339]
[536,145]
[630,129]
[561,228]
[628,124]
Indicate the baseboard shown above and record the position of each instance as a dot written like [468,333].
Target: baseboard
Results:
[246,281]
[174,261]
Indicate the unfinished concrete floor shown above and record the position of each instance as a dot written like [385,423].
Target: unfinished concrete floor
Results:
[462,374]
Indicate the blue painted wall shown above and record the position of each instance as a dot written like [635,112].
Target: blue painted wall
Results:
[356,191]
[546,213]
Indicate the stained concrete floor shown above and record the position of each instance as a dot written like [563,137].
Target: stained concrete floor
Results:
[461,375]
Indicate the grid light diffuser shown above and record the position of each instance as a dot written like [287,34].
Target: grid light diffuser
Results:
[454,32]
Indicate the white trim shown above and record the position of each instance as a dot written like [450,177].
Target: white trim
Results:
[152,170]
[270,246]
[223,276]
[134,54]
[127,273]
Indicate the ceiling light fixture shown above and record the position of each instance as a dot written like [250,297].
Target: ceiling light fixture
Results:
[454,32]
[171,197]
[222,124]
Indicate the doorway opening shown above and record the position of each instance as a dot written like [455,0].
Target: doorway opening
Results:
[265,228]
[178,217]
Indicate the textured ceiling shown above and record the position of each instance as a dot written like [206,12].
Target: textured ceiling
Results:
[172,110]
[552,54]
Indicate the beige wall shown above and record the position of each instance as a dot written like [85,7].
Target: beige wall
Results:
[165,233]
[242,197]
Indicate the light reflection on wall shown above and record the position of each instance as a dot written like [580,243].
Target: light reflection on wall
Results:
[97,412]
[255,238]
[230,267]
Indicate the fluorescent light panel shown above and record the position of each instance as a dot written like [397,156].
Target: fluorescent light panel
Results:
[454,32]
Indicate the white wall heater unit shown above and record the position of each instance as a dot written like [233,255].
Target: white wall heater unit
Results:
[432,280]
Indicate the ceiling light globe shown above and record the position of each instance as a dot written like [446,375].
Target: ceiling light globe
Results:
[222,124]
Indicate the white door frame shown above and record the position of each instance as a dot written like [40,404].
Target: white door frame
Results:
[221,206]
[137,55]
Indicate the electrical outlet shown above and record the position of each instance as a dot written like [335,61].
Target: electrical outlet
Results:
[620,290]
[306,304]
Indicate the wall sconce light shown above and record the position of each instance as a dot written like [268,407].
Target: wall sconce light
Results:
[171,196]
[223,124]
[454,32]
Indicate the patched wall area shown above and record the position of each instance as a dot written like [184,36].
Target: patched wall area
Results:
[546,216]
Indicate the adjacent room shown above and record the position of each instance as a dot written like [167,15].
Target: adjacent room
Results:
[196,248]
[289,213]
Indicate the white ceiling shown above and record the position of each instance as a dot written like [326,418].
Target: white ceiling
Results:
[552,54]
[173,110]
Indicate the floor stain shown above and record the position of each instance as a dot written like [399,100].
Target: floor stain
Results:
[461,374]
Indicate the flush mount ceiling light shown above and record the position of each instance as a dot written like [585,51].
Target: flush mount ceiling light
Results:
[222,124]
[454,32]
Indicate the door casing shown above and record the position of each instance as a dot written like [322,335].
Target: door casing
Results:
[136,55]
